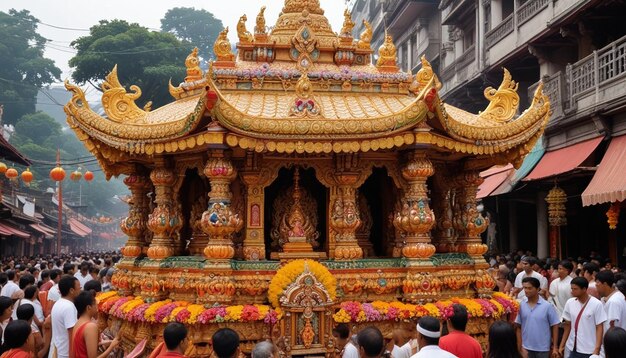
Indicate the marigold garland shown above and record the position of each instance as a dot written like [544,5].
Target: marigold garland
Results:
[288,274]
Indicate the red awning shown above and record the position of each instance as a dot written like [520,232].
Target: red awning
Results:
[14,231]
[5,232]
[42,229]
[79,228]
[609,182]
[563,160]
[494,177]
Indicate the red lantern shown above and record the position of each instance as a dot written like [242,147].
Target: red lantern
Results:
[57,174]
[11,173]
[27,176]
[76,175]
[3,168]
[88,176]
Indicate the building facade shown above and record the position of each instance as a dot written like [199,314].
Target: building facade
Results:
[578,49]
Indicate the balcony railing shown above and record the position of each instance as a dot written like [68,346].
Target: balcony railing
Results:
[592,80]
[529,9]
[499,32]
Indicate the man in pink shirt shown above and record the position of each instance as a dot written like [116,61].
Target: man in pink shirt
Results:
[457,341]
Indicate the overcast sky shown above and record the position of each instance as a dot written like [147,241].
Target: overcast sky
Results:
[77,16]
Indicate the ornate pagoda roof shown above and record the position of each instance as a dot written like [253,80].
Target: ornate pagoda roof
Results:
[300,87]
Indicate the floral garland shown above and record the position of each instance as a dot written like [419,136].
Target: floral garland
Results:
[288,274]
[376,311]
[135,309]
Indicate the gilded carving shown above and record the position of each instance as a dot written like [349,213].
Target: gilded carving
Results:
[222,48]
[387,54]
[468,222]
[165,220]
[192,62]
[117,103]
[503,102]
[245,37]
[134,225]
[348,25]
[260,28]
[365,39]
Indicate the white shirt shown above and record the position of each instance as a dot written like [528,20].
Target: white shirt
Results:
[38,311]
[83,279]
[433,351]
[350,351]
[615,309]
[560,292]
[402,352]
[64,317]
[593,315]
[9,289]
[543,282]
[53,293]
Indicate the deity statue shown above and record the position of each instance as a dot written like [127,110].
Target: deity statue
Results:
[192,63]
[244,35]
[260,23]
[387,52]
[348,24]
[222,48]
[366,36]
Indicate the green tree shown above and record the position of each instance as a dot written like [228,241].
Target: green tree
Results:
[198,27]
[145,58]
[23,69]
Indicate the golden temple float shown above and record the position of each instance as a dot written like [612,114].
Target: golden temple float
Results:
[298,148]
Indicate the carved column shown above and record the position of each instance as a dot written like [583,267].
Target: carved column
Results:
[345,220]
[219,221]
[468,222]
[415,218]
[254,241]
[365,229]
[442,193]
[166,219]
[134,225]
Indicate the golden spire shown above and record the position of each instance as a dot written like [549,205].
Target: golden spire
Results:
[192,62]
[245,37]
[296,219]
[366,37]
[348,24]
[297,6]
[222,48]
[387,53]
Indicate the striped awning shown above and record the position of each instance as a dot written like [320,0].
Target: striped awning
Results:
[609,182]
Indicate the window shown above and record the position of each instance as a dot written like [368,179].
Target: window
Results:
[414,54]
[507,7]
[405,57]
[469,37]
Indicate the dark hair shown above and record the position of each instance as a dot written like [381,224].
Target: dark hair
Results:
[11,275]
[3,278]
[29,292]
[5,302]
[16,334]
[26,280]
[614,342]
[173,334]
[430,324]
[532,280]
[591,267]
[66,284]
[93,285]
[459,317]
[580,282]
[502,341]
[84,299]
[25,312]
[621,286]
[530,259]
[567,265]
[67,268]
[342,330]
[45,274]
[55,273]
[225,342]
[606,276]
[85,265]
[371,340]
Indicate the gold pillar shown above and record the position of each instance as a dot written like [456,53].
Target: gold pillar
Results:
[415,218]
[219,221]
[135,224]
[443,235]
[165,220]
[467,221]
[344,219]
[254,241]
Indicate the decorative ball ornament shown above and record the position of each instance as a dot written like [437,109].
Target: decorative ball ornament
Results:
[57,174]
[76,175]
[11,174]
[88,176]
[27,176]
[3,168]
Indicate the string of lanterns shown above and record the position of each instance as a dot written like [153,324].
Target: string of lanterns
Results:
[57,174]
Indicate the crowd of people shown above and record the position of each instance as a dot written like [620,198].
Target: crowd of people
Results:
[568,309]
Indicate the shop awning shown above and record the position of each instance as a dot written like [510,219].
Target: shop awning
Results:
[494,177]
[43,229]
[563,160]
[79,228]
[13,231]
[609,182]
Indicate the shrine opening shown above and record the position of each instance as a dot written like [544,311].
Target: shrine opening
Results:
[301,182]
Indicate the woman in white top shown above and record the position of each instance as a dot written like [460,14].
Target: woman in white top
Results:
[6,309]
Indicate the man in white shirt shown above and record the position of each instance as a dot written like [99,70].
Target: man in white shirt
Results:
[371,342]
[560,288]
[404,343]
[64,317]
[527,265]
[11,287]
[83,275]
[341,333]
[612,299]
[583,318]
[428,333]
